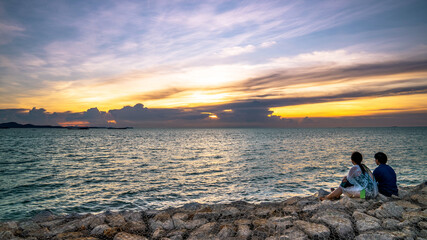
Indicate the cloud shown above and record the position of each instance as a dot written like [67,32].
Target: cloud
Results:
[233,51]
[10,31]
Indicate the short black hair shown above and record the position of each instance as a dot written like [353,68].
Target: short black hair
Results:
[381,157]
[357,157]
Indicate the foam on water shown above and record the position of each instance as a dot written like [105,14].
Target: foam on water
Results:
[99,169]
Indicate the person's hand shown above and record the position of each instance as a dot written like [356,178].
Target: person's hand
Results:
[344,179]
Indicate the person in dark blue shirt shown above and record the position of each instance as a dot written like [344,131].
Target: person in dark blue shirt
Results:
[385,176]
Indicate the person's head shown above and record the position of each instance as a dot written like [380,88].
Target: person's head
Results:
[380,158]
[356,157]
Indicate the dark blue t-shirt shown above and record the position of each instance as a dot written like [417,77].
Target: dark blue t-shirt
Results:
[386,178]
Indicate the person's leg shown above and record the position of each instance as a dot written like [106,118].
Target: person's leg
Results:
[333,195]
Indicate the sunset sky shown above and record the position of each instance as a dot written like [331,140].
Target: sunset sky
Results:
[214,63]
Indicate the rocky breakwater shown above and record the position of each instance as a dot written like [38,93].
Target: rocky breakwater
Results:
[404,217]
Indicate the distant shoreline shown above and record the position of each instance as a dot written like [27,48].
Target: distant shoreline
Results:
[17,125]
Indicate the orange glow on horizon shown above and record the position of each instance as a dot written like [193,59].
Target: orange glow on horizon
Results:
[74,123]
[112,121]
[357,107]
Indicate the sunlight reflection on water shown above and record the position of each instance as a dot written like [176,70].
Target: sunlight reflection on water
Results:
[100,169]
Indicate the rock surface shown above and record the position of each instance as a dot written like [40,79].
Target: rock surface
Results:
[297,218]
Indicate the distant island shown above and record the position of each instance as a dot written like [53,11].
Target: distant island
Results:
[17,125]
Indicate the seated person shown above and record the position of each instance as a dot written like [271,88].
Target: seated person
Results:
[385,176]
[359,179]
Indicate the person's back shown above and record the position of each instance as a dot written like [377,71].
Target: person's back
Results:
[385,176]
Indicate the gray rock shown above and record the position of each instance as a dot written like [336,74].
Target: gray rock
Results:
[135,227]
[365,222]
[390,223]
[243,232]
[159,233]
[128,236]
[179,219]
[72,226]
[226,231]
[264,211]
[340,225]
[52,223]
[177,234]
[313,230]
[115,220]
[44,216]
[420,198]
[10,225]
[230,212]
[29,226]
[381,235]
[311,208]
[293,234]
[192,224]
[423,233]
[415,217]
[263,223]
[422,225]
[162,220]
[204,231]
[243,221]
[389,209]
[99,230]
[131,216]
[291,210]
[68,235]
[292,201]
[281,223]
[408,206]
[6,235]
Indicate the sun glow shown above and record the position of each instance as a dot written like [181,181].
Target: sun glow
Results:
[360,107]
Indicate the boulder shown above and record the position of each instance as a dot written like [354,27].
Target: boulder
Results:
[135,227]
[389,209]
[159,233]
[313,230]
[231,212]
[422,225]
[226,231]
[342,226]
[408,206]
[243,231]
[179,219]
[68,236]
[162,220]
[115,220]
[420,198]
[131,216]
[281,223]
[99,230]
[365,222]
[382,235]
[243,221]
[205,231]
[390,223]
[293,234]
[415,217]
[6,235]
[128,236]
[192,224]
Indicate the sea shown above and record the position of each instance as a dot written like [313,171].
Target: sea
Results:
[95,170]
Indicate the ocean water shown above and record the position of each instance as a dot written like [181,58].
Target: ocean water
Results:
[96,170]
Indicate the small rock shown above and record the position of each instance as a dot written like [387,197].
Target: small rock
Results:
[389,209]
[262,222]
[44,216]
[420,198]
[226,231]
[408,206]
[264,212]
[390,223]
[177,234]
[293,234]
[194,223]
[382,235]
[313,230]
[204,231]
[292,201]
[244,231]
[415,217]
[6,235]
[131,216]
[423,233]
[115,220]
[365,222]
[242,222]
[230,212]
[159,233]
[341,225]
[53,223]
[68,236]
[179,219]
[422,225]
[162,220]
[135,227]
[99,230]
[128,236]
[291,210]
